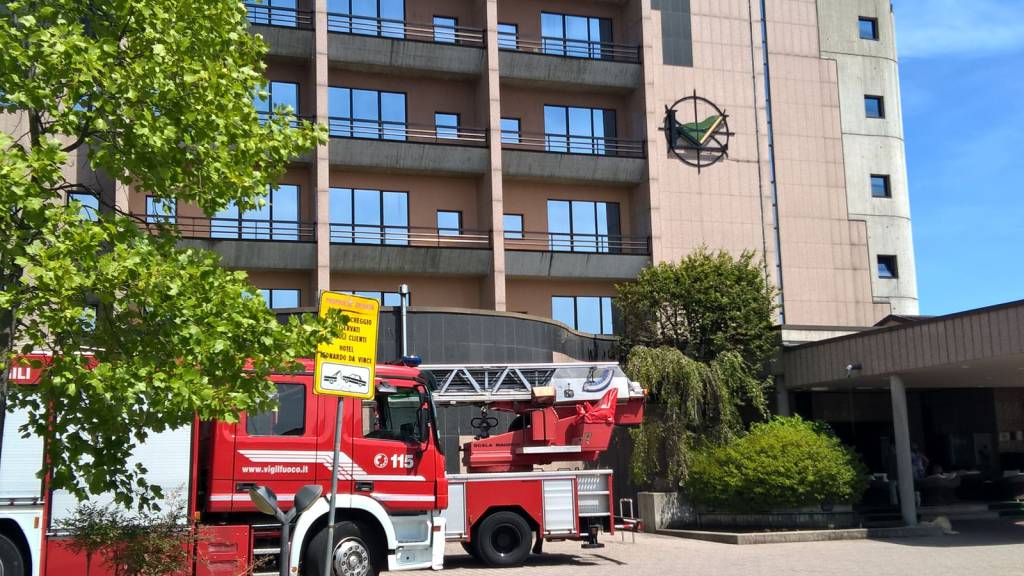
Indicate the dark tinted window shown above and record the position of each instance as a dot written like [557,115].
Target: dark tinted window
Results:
[880,186]
[288,420]
[874,107]
[868,28]
[887,267]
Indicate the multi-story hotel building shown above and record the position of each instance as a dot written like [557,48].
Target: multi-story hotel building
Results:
[513,156]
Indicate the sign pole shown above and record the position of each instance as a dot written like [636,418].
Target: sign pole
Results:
[329,555]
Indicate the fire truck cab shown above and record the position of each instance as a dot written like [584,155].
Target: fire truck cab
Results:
[391,482]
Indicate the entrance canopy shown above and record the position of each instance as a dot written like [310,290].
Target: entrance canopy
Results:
[973,349]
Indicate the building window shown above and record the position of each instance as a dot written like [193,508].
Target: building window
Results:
[510,130]
[449,223]
[384,18]
[508,36]
[575,36]
[160,210]
[444,29]
[281,98]
[273,13]
[874,107]
[280,297]
[513,225]
[591,314]
[887,267]
[583,226]
[372,114]
[276,219]
[90,205]
[868,28]
[361,216]
[880,186]
[446,125]
[578,130]
[288,419]
[385,298]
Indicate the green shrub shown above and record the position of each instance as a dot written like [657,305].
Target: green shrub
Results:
[783,463]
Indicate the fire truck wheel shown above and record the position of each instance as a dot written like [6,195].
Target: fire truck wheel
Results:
[470,548]
[11,562]
[353,553]
[504,539]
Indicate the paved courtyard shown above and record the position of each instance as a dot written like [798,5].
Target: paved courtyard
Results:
[981,548]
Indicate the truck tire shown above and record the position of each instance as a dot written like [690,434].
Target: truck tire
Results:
[470,548]
[354,553]
[11,562]
[503,539]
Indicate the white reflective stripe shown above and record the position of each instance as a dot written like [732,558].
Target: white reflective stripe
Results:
[401,497]
[347,469]
[244,497]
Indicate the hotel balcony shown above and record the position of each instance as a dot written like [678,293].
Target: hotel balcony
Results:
[249,244]
[404,147]
[575,256]
[288,32]
[382,44]
[560,63]
[397,250]
[560,158]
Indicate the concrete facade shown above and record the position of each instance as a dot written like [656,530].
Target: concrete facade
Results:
[795,187]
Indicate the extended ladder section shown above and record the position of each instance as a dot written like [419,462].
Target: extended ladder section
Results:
[489,383]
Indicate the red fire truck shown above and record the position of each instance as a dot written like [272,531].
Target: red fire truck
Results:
[396,507]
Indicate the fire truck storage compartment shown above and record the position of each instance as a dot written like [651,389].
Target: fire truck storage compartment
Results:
[564,497]
[166,457]
[23,457]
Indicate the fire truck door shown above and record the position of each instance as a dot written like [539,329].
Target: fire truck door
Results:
[277,449]
[393,464]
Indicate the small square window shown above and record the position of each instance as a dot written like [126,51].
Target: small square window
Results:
[276,298]
[508,36]
[868,28]
[513,224]
[887,267]
[160,210]
[449,223]
[510,130]
[90,205]
[446,126]
[444,29]
[874,107]
[880,186]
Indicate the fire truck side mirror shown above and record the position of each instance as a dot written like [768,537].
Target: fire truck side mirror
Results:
[266,501]
[306,497]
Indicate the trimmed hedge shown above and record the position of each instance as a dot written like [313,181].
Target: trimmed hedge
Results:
[782,463]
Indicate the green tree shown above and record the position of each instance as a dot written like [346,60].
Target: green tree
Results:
[699,334]
[159,93]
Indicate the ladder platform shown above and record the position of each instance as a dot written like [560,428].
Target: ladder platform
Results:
[486,383]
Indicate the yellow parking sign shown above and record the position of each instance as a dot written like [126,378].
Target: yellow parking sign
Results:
[345,367]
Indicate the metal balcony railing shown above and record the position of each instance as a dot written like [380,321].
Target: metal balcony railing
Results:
[234,228]
[588,243]
[399,29]
[266,15]
[406,132]
[570,48]
[566,144]
[362,234]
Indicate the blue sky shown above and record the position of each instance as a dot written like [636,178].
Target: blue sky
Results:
[962,70]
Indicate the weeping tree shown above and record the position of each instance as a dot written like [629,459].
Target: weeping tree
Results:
[698,335]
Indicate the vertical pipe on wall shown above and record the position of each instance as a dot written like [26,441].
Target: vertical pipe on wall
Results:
[773,180]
